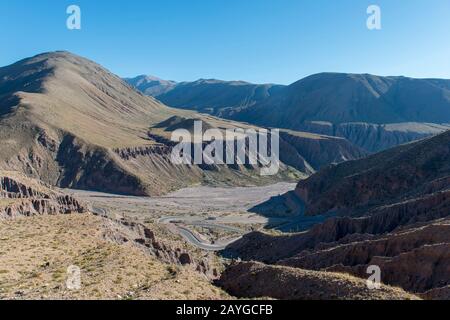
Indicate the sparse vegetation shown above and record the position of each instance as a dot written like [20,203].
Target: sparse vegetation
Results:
[108,270]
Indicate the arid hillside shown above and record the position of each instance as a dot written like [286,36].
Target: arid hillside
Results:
[63,116]
[109,269]
[390,210]
[44,232]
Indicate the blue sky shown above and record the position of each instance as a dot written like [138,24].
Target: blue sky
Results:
[277,41]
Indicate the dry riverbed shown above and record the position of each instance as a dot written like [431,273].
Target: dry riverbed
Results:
[187,212]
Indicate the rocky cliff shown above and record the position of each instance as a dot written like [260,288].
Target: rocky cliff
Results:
[401,173]
[376,137]
[21,196]
[321,150]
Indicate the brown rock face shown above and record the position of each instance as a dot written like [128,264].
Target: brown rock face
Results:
[378,221]
[405,172]
[11,188]
[415,259]
[124,231]
[21,196]
[422,269]
[319,150]
[375,137]
[409,241]
[437,294]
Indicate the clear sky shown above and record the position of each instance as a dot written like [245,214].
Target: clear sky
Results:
[276,41]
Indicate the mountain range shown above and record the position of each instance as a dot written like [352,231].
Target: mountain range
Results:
[212,96]
[151,86]
[390,209]
[373,112]
[71,123]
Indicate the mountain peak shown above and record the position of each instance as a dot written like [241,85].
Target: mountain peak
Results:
[217,81]
[151,85]
[76,95]
[52,56]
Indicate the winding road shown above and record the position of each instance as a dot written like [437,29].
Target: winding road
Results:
[191,238]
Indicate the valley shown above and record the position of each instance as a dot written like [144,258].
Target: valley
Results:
[87,179]
[184,212]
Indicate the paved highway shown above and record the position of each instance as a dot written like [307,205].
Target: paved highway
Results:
[191,238]
[99,211]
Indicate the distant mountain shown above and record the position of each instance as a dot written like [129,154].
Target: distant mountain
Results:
[342,98]
[390,210]
[151,86]
[211,96]
[373,112]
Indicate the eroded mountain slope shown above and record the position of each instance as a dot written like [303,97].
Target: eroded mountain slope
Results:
[22,196]
[391,211]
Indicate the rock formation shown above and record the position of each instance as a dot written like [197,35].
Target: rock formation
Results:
[21,196]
